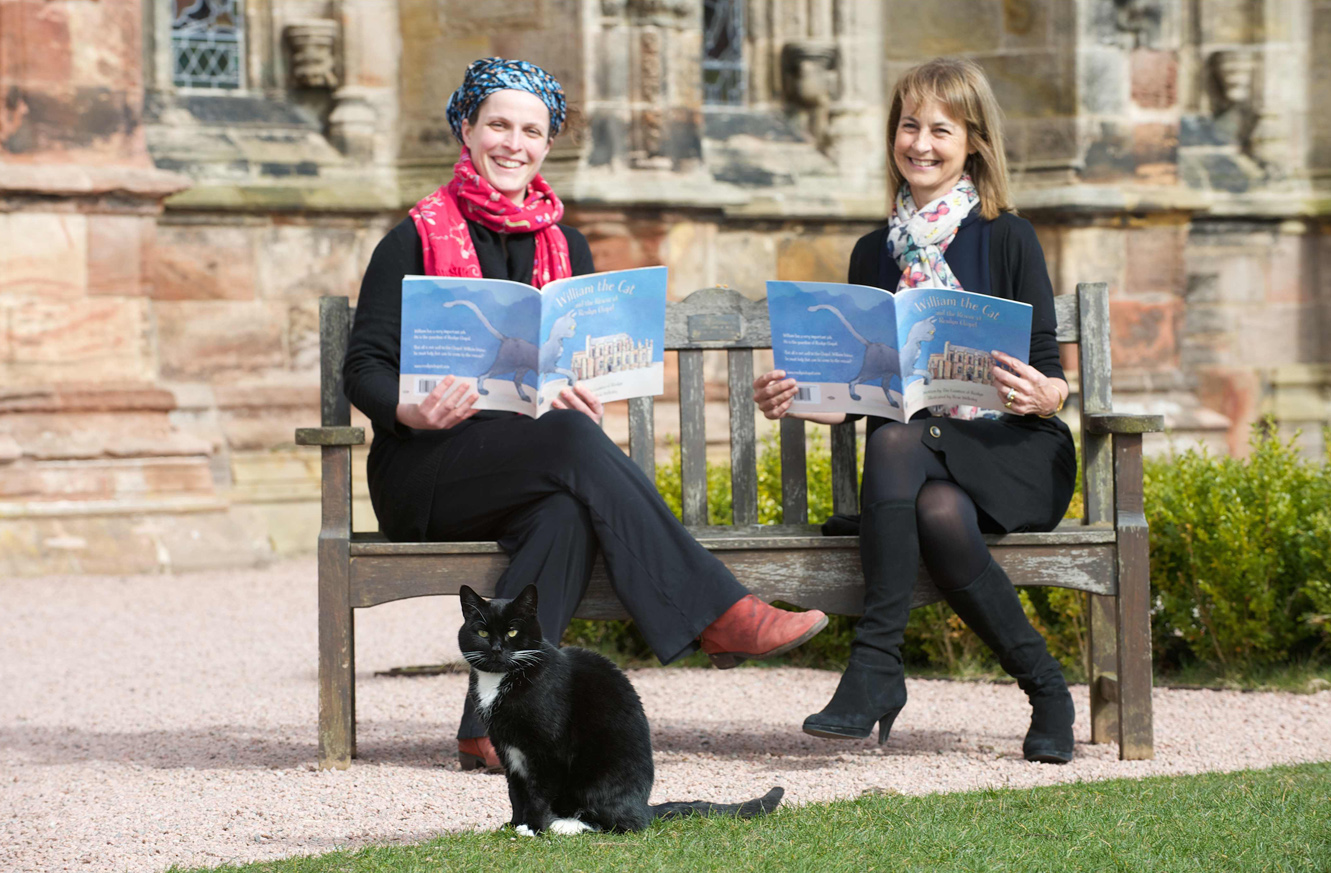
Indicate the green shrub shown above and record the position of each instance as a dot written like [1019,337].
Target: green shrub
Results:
[1240,554]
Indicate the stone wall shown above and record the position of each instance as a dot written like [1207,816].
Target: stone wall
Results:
[158,298]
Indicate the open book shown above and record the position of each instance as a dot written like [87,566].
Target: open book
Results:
[519,347]
[854,348]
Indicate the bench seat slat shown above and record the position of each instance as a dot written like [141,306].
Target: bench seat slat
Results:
[825,578]
[726,537]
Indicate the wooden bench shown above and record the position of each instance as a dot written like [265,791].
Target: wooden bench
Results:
[1104,554]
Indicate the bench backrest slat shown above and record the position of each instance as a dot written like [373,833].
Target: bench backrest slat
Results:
[642,435]
[692,437]
[1066,309]
[794,473]
[845,475]
[743,438]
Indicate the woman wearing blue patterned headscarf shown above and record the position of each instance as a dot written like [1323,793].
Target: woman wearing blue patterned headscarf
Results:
[488,75]
[555,490]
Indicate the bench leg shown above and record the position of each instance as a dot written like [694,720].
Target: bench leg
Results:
[1136,737]
[337,657]
[1102,672]
[1136,741]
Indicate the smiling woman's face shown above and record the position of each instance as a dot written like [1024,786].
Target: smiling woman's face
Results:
[509,141]
[930,148]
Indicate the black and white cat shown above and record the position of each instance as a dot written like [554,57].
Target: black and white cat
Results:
[568,726]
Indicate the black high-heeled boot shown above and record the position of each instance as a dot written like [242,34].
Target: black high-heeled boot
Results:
[873,688]
[990,607]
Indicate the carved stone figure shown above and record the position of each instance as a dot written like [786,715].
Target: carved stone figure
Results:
[809,83]
[1233,79]
[313,61]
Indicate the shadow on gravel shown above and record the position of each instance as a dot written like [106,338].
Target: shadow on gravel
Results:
[792,743]
[230,747]
[220,747]
[430,746]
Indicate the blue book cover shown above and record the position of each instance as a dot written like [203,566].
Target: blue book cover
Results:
[859,349]
[519,346]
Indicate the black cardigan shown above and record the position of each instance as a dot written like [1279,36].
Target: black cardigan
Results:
[403,462]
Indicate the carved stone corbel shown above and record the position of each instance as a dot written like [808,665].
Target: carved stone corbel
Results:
[809,84]
[352,123]
[312,45]
[673,14]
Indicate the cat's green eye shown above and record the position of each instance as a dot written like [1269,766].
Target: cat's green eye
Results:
[513,632]
[485,635]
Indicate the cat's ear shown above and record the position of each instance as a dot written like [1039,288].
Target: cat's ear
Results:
[525,602]
[471,601]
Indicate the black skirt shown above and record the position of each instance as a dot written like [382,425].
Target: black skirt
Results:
[1019,470]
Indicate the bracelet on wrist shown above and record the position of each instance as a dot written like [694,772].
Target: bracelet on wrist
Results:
[1057,409]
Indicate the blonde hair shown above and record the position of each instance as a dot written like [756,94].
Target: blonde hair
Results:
[963,90]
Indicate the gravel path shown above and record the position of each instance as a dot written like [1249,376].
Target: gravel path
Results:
[153,720]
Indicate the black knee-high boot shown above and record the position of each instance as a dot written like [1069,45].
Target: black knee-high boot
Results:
[873,688]
[991,608]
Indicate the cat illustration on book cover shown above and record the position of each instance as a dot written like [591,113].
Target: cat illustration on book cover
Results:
[881,362]
[568,725]
[520,357]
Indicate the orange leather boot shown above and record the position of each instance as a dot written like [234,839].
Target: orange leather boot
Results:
[478,753]
[753,629]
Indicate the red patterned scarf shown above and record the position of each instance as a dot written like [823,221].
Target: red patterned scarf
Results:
[441,222]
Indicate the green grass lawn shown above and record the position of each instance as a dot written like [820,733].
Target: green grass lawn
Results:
[1255,820]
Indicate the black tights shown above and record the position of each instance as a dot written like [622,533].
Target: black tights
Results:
[899,466]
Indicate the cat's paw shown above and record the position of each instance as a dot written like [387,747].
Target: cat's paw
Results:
[523,830]
[569,826]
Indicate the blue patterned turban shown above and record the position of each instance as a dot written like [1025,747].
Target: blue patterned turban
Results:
[488,75]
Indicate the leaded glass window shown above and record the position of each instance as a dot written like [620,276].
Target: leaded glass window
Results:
[723,52]
[207,43]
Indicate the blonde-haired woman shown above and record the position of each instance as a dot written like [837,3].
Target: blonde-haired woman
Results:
[933,486]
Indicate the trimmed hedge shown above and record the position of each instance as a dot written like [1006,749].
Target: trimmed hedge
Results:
[1240,565]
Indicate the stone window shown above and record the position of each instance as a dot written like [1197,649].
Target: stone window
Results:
[723,52]
[207,44]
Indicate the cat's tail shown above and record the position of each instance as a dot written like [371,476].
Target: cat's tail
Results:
[481,315]
[748,809]
[837,312]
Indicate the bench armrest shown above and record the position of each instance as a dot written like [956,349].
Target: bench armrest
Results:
[1124,422]
[330,436]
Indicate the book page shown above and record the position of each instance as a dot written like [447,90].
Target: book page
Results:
[946,338]
[605,331]
[482,331]
[838,341]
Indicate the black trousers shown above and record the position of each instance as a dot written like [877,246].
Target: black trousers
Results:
[553,491]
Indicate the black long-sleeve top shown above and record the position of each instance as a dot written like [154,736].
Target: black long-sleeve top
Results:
[403,462]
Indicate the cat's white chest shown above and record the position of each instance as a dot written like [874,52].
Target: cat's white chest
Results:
[488,688]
